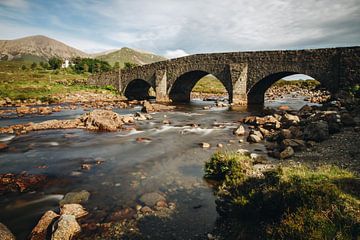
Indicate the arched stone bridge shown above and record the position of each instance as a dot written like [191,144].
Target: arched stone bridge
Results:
[245,75]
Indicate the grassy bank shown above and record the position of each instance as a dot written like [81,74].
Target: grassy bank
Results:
[286,203]
[21,83]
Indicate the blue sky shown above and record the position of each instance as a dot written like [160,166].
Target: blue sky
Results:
[179,27]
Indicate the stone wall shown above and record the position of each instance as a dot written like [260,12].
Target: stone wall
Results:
[335,68]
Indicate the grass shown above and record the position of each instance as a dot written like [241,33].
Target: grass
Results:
[288,202]
[18,84]
[209,84]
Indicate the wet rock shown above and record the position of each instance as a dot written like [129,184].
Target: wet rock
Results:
[205,145]
[140,116]
[66,228]
[166,121]
[102,120]
[257,133]
[143,140]
[147,107]
[240,131]
[75,197]
[264,131]
[40,231]
[22,110]
[283,108]
[5,233]
[44,110]
[155,107]
[161,204]
[22,182]
[73,209]
[243,152]
[316,131]
[287,153]
[122,214]
[220,145]
[150,199]
[285,134]
[252,138]
[128,119]
[86,166]
[296,144]
[3,146]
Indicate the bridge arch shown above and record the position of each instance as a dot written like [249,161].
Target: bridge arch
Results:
[137,89]
[256,93]
[180,90]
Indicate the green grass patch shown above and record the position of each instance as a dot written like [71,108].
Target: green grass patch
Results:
[209,84]
[18,84]
[288,202]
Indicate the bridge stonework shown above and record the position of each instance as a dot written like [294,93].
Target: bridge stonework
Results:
[245,75]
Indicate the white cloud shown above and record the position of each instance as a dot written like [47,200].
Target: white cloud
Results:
[175,53]
[19,4]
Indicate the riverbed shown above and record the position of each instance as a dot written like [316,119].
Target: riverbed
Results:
[168,161]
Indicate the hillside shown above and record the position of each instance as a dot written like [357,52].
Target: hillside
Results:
[36,48]
[130,55]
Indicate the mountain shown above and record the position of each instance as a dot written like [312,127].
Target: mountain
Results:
[130,55]
[37,48]
[41,48]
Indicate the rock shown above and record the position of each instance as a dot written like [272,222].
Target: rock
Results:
[264,131]
[283,108]
[243,152]
[285,134]
[5,233]
[287,152]
[316,131]
[253,138]
[44,110]
[66,228]
[150,199]
[147,107]
[347,119]
[220,145]
[3,146]
[73,209]
[240,131]
[205,145]
[166,121]
[75,197]
[140,116]
[258,158]
[296,144]
[22,110]
[143,140]
[257,133]
[41,229]
[102,120]
[86,166]
[146,210]
[126,213]
[128,119]
[161,204]
[290,119]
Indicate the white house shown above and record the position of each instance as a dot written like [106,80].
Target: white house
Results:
[65,64]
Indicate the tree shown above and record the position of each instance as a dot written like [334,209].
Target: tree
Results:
[33,66]
[116,66]
[85,67]
[128,65]
[55,63]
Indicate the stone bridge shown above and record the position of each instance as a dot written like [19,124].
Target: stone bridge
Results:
[245,75]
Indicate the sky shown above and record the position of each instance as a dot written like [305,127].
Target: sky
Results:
[175,28]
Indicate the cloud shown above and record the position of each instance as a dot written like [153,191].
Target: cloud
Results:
[164,26]
[19,4]
[175,53]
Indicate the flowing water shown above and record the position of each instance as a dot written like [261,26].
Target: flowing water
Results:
[169,161]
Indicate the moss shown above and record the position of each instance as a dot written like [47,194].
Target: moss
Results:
[288,202]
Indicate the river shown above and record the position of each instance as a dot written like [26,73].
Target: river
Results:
[170,161]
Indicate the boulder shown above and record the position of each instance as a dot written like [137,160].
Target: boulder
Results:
[287,152]
[73,209]
[285,134]
[252,138]
[147,107]
[5,233]
[205,145]
[347,119]
[316,131]
[41,229]
[102,120]
[75,197]
[240,131]
[22,110]
[65,228]
[296,144]
[290,119]
[150,199]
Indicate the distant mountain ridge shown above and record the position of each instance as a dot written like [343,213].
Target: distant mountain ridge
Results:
[41,48]
[130,55]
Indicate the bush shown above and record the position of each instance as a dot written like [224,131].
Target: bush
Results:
[287,202]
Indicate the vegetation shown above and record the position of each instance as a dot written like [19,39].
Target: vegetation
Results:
[209,84]
[55,63]
[128,65]
[83,65]
[287,202]
[19,82]
[309,83]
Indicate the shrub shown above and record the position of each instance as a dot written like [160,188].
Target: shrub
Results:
[287,202]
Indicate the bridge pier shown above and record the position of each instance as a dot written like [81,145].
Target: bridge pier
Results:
[161,86]
[238,76]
